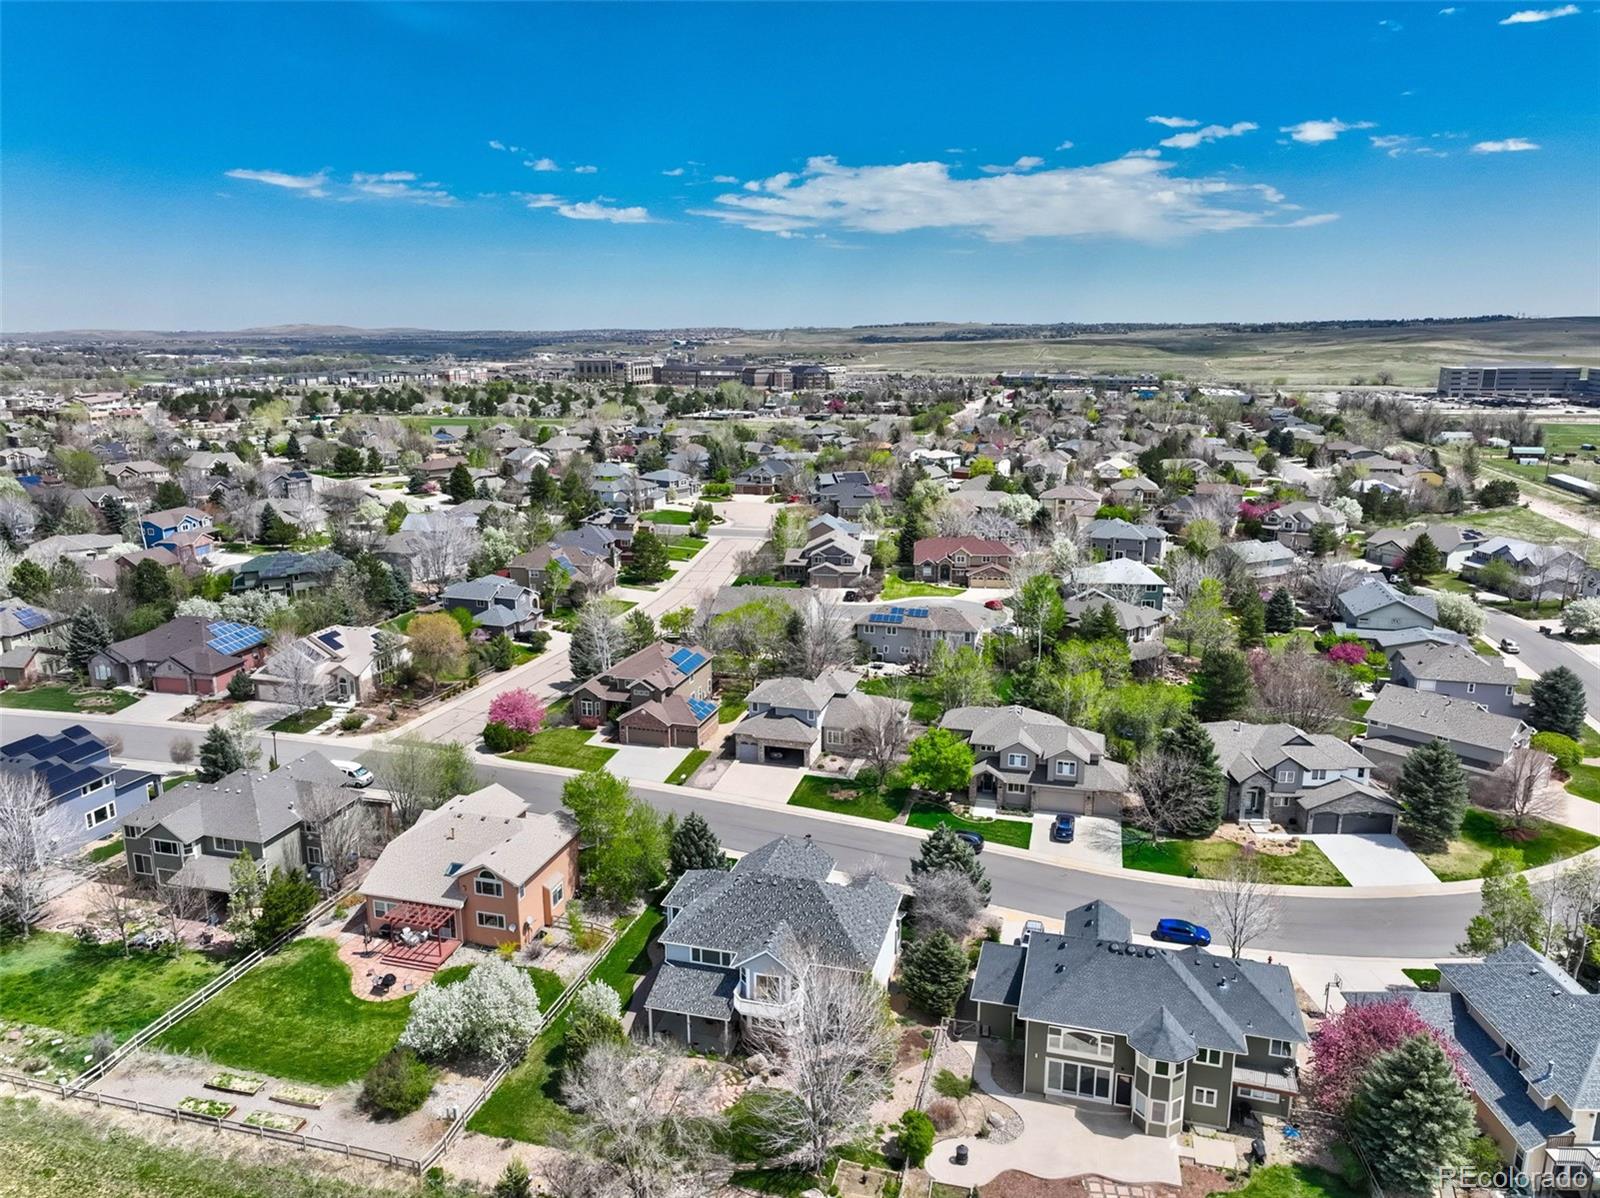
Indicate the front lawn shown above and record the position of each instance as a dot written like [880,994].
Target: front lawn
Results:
[294,1016]
[1015,832]
[524,1106]
[844,797]
[926,707]
[301,721]
[895,587]
[1483,833]
[568,747]
[1423,979]
[52,981]
[1584,781]
[1309,866]
[685,769]
[667,516]
[58,696]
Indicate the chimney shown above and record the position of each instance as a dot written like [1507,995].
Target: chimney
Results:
[450,832]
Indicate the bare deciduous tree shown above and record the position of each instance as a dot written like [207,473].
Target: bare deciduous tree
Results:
[835,1049]
[1322,583]
[180,905]
[1297,687]
[33,835]
[443,547]
[945,900]
[1169,799]
[112,906]
[829,638]
[1569,911]
[1520,787]
[293,665]
[881,737]
[1243,906]
[341,824]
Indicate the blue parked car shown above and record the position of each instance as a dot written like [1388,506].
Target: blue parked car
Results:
[1181,931]
[972,839]
[1062,830]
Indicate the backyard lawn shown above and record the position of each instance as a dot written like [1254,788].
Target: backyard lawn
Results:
[1483,833]
[895,587]
[61,697]
[685,769]
[52,981]
[926,707]
[844,797]
[1297,1181]
[1014,832]
[568,747]
[1210,859]
[301,721]
[104,852]
[524,1106]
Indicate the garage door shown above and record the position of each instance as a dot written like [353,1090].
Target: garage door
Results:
[1324,823]
[1367,823]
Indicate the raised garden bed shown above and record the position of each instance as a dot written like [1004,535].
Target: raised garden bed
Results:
[209,1108]
[235,1083]
[299,1096]
[274,1121]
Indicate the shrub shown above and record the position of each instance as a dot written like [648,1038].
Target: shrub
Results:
[952,1085]
[944,1113]
[1564,749]
[240,688]
[499,738]
[492,1012]
[1347,653]
[538,641]
[397,1085]
[182,751]
[352,722]
[916,1137]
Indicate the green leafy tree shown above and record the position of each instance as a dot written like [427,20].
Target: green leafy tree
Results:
[1412,1116]
[938,761]
[1221,685]
[221,754]
[347,460]
[1432,789]
[695,846]
[29,581]
[274,529]
[395,516]
[1509,912]
[148,582]
[933,973]
[639,629]
[1038,612]
[1252,621]
[89,633]
[245,883]
[1281,614]
[1203,624]
[1422,559]
[459,485]
[960,676]
[285,899]
[1559,703]
[916,1137]
[169,495]
[1324,540]
[650,561]
[943,849]
[625,840]
[1502,492]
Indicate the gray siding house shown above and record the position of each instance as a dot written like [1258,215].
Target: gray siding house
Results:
[1118,539]
[908,634]
[1033,761]
[1303,781]
[1174,1038]
[792,721]
[1458,672]
[1400,719]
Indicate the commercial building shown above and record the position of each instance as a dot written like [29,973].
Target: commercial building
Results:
[1509,381]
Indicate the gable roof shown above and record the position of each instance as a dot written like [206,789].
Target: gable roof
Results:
[1246,749]
[245,805]
[933,549]
[1436,715]
[1375,593]
[1455,663]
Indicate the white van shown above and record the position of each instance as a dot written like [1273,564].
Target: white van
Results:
[358,774]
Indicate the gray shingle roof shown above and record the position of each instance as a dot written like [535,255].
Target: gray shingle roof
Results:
[1162,1037]
[999,975]
[1435,715]
[701,990]
[1455,663]
[1244,749]
[254,807]
[1369,596]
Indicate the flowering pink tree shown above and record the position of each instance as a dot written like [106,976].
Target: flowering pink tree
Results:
[521,710]
[1257,509]
[1346,1045]
[1348,653]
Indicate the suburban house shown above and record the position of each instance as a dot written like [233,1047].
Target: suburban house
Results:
[1117,538]
[177,529]
[1292,523]
[963,561]
[1033,761]
[190,835]
[90,792]
[1264,561]
[1301,781]
[1137,490]
[23,624]
[1400,719]
[1388,546]
[1175,1038]
[344,662]
[1376,611]
[1542,571]
[737,942]
[1139,625]
[496,603]
[765,478]
[1132,582]
[846,494]
[1071,501]
[588,573]
[188,655]
[831,558]
[1528,1038]
[643,681]
[908,634]
[793,721]
[1457,671]
[481,869]
[289,574]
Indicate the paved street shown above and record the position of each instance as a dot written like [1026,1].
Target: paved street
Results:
[1542,653]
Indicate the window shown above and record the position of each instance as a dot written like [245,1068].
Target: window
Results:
[1514,1057]
[1067,769]
[99,815]
[1318,775]
[767,987]
[97,784]
[558,891]
[1017,761]
[1208,1056]
[835,737]
[1016,788]
[167,848]
[711,956]
[891,631]
[141,864]
[1286,774]
[1083,1044]
[313,854]
[1203,1096]
[489,885]
[1085,1081]
[1158,1068]
[1279,1048]
[588,707]
[1252,1093]
[491,919]
[224,845]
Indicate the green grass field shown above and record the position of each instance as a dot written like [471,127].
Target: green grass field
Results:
[1014,832]
[568,747]
[667,516]
[60,697]
[685,769]
[1210,859]
[1483,833]
[895,587]
[1521,522]
[52,981]
[1297,1181]
[104,852]
[301,721]
[821,793]
[926,707]
[1585,782]
[1423,979]
[524,1107]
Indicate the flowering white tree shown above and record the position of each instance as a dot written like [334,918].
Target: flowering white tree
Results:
[32,833]
[596,999]
[1459,614]
[492,1012]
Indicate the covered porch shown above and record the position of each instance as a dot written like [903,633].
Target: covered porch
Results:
[419,935]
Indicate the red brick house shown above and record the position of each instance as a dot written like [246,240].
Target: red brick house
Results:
[963,561]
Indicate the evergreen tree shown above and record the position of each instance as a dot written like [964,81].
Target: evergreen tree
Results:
[292,449]
[285,899]
[1100,623]
[945,850]
[220,754]
[1432,790]
[1280,614]
[514,1181]
[1252,622]
[29,581]
[459,485]
[933,974]
[274,529]
[1412,1117]
[1189,740]
[169,495]
[1221,685]
[650,561]
[695,846]
[374,462]
[88,635]
[1559,704]
[1423,559]
[1324,540]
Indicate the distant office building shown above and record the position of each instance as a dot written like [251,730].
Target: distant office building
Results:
[1511,382]
[614,370]
[768,378]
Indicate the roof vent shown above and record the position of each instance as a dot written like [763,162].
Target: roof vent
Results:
[1114,947]
[1222,984]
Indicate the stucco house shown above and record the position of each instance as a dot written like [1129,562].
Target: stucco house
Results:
[22,623]
[1125,579]
[496,603]
[1264,561]
[737,942]
[1301,781]
[794,721]
[963,561]
[1174,1038]
[1031,761]
[831,558]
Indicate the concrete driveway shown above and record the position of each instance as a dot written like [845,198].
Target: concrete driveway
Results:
[763,783]
[1097,840]
[642,763]
[1373,859]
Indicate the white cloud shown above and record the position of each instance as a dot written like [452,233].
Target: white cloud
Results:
[584,170]
[1447,12]
[1511,145]
[597,209]
[311,185]
[1398,145]
[1066,145]
[1143,154]
[1315,132]
[725,179]
[496,145]
[1533,16]
[1172,122]
[674,172]
[541,164]
[1135,197]
[399,185]
[1026,163]
[1307,222]
[1195,137]
[1391,26]
[504,147]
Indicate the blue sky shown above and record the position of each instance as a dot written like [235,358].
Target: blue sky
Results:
[554,166]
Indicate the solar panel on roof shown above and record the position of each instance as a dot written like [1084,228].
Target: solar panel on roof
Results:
[702,708]
[30,619]
[917,613]
[331,639]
